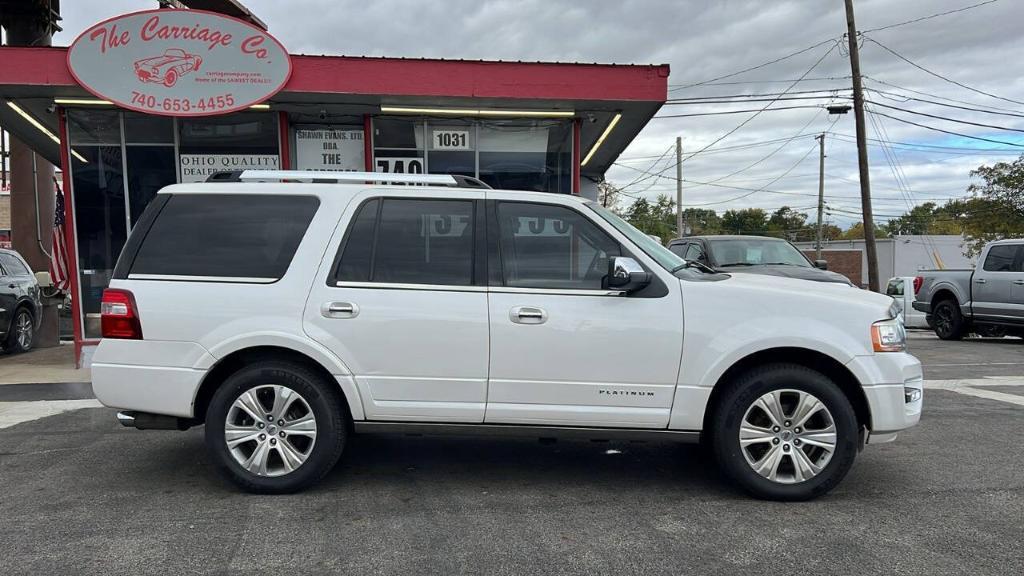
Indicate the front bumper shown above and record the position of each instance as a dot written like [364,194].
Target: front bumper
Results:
[893,385]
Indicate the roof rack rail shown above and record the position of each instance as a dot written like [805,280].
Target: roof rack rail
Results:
[323,177]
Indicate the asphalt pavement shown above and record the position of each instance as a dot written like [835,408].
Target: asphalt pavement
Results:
[82,495]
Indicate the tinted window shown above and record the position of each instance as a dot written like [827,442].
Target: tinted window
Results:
[545,246]
[410,241]
[678,249]
[225,235]
[895,288]
[356,259]
[1000,258]
[756,251]
[13,266]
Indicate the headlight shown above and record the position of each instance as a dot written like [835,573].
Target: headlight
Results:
[889,336]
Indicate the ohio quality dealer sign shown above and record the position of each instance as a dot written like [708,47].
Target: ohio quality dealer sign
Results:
[179,62]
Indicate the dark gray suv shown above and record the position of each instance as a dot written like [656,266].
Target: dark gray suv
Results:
[20,306]
[754,255]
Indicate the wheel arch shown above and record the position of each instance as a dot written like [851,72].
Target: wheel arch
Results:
[232,362]
[813,359]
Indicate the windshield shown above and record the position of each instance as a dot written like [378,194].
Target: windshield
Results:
[756,252]
[651,247]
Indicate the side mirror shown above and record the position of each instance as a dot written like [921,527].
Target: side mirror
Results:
[626,274]
[821,264]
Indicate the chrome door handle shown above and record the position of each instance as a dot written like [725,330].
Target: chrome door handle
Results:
[528,315]
[1019,282]
[339,310]
[980,281]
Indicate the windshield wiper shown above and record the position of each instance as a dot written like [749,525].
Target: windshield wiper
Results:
[695,264]
[737,264]
[782,264]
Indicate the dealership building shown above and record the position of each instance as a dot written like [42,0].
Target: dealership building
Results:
[124,112]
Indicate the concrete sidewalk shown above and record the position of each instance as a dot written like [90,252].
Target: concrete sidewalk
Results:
[42,366]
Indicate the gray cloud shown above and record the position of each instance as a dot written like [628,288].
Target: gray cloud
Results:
[701,40]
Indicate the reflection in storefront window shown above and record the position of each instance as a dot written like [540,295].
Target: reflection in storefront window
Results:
[100,225]
[513,154]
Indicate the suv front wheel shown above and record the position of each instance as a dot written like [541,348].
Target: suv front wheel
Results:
[784,432]
[275,427]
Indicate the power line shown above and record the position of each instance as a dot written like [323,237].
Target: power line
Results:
[752,68]
[946,98]
[777,99]
[945,118]
[781,108]
[784,81]
[916,146]
[947,131]
[757,95]
[905,98]
[914,21]
[940,76]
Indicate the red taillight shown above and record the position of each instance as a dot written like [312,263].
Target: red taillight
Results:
[918,280]
[119,316]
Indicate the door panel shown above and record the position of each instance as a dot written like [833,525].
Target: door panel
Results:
[993,284]
[8,298]
[595,361]
[404,305]
[563,350]
[415,354]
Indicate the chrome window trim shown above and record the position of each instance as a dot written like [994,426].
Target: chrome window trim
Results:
[184,278]
[492,289]
[403,286]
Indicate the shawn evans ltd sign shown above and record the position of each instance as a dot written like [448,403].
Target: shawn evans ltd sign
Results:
[179,62]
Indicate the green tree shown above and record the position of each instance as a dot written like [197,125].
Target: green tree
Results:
[745,221]
[702,221]
[996,208]
[787,223]
[657,218]
[927,218]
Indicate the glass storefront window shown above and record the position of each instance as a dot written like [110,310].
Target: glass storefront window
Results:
[246,141]
[527,155]
[100,224]
[150,168]
[88,126]
[513,154]
[147,129]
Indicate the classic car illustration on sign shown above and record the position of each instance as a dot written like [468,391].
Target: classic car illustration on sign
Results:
[168,67]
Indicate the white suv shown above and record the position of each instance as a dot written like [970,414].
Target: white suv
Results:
[287,312]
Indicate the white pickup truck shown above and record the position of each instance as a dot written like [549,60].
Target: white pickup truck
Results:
[287,314]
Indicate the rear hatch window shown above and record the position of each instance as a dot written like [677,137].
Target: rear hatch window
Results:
[232,237]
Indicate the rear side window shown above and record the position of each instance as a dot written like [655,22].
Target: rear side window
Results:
[1001,258]
[13,265]
[410,241]
[678,249]
[244,236]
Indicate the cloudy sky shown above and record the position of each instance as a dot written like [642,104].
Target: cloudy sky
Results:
[771,160]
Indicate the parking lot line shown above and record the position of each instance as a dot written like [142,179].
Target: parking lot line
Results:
[991,395]
[963,383]
[12,413]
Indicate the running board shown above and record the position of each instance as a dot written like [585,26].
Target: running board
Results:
[515,430]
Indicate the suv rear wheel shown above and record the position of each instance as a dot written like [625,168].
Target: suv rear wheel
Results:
[275,427]
[784,432]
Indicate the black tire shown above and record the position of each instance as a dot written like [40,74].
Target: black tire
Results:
[14,343]
[324,401]
[948,321]
[743,392]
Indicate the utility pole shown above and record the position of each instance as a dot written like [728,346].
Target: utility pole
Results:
[679,187]
[862,152]
[821,186]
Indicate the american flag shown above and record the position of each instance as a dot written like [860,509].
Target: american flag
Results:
[59,253]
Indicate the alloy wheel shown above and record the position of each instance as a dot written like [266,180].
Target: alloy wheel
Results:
[787,436]
[24,331]
[270,430]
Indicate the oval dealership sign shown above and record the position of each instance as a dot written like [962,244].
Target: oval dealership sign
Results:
[179,62]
